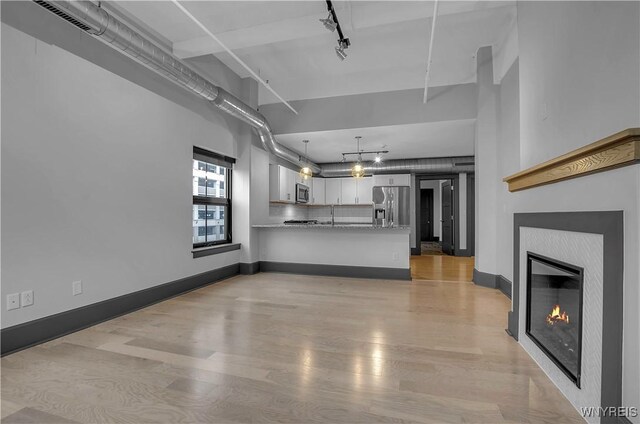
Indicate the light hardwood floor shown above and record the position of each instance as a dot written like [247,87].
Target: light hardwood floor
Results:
[444,268]
[290,348]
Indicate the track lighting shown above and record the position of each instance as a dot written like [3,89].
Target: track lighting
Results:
[359,170]
[329,23]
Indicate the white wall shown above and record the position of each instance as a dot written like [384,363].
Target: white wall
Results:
[579,81]
[486,154]
[508,139]
[96,173]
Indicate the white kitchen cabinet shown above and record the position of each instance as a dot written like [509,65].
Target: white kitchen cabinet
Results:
[364,190]
[318,191]
[333,191]
[349,191]
[282,182]
[392,180]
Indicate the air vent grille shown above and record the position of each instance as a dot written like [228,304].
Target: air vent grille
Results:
[63,15]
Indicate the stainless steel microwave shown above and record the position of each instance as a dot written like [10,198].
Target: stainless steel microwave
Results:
[302,193]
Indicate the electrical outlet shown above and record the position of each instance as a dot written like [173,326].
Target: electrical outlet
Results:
[396,256]
[27,298]
[13,301]
[76,287]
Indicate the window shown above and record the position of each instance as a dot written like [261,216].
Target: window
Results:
[211,202]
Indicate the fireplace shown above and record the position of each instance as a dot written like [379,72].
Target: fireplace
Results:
[554,311]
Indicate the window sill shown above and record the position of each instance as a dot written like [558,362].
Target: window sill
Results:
[214,250]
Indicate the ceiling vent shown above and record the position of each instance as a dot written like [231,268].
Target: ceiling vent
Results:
[63,15]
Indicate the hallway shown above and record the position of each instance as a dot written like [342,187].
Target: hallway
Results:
[444,268]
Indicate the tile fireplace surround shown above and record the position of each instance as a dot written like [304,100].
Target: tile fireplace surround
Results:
[594,241]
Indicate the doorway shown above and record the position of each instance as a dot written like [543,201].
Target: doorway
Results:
[447,218]
[444,215]
[428,217]
[444,233]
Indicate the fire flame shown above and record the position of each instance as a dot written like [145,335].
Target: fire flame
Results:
[556,316]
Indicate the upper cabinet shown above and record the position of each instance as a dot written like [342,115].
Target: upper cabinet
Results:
[392,180]
[282,183]
[333,190]
[349,191]
[364,190]
[318,191]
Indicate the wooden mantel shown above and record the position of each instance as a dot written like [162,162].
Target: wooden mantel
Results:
[615,151]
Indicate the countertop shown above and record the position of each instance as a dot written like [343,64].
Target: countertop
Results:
[329,226]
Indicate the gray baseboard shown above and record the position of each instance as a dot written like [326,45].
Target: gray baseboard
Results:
[38,331]
[249,268]
[492,281]
[464,252]
[485,279]
[504,285]
[337,270]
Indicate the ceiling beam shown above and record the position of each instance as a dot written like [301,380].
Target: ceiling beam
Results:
[374,14]
[447,103]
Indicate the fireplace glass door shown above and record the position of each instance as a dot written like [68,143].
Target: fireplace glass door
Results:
[554,311]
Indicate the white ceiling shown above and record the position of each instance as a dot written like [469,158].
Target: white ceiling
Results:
[285,43]
[434,139]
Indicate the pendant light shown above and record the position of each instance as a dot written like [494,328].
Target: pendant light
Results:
[305,171]
[357,170]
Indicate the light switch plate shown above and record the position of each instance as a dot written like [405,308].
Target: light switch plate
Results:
[26,298]
[13,301]
[76,287]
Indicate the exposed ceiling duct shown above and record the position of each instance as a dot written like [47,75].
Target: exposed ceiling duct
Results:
[452,165]
[98,22]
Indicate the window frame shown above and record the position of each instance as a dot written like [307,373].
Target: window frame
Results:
[226,163]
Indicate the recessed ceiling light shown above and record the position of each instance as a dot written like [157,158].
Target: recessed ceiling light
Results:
[378,159]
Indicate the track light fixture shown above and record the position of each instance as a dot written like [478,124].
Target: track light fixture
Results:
[331,23]
[340,51]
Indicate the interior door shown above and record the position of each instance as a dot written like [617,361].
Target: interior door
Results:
[447,218]
[426,214]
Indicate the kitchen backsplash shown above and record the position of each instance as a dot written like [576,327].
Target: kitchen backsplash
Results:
[354,214]
[279,213]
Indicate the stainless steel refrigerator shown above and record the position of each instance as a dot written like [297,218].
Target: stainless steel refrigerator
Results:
[391,206]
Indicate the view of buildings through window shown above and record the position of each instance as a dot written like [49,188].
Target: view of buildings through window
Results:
[209,217]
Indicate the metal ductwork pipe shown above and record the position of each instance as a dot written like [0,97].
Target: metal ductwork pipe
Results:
[98,22]
[452,165]
[235,107]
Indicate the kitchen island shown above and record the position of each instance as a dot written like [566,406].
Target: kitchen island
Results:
[344,250]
